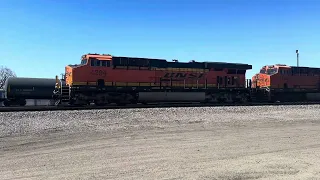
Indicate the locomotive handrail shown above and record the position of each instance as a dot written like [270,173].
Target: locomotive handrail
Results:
[267,89]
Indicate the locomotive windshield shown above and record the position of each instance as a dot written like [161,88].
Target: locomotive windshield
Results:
[271,71]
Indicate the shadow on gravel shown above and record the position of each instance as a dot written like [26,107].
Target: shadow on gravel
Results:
[272,171]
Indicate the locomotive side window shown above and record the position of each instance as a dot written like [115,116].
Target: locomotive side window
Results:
[95,62]
[101,63]
[283,71]
[84,62]
[92,62]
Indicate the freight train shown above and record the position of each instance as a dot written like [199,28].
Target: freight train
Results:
[103,79]
[18,89]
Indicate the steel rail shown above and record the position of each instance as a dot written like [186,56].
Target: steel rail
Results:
[136,106]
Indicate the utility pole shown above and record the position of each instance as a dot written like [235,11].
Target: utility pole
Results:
[297,52]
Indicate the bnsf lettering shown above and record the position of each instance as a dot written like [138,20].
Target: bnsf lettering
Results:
[99,73]
[184,75]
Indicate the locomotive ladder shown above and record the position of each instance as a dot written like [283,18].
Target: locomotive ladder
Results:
[65,94]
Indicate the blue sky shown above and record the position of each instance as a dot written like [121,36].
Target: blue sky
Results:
[40,37]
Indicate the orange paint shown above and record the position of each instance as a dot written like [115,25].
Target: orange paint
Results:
[88,73]
[284,77]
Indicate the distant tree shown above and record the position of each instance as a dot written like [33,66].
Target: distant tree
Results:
[5,73]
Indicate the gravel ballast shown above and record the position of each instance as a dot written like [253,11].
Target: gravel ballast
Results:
[183,143]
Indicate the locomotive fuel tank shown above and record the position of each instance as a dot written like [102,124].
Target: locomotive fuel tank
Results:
[172,96]
[18,89]
[313,96]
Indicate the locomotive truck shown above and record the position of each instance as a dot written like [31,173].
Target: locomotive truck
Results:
[104,79]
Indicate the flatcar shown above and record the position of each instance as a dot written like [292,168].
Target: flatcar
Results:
[288,83]
[18,89]
[103,79]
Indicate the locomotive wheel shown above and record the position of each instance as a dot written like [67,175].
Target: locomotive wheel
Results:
[133,101]
[100,104]
[6,103]
[22,102]
[121,103]
[244,100]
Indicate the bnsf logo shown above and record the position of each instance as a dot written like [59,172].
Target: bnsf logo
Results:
[184,75]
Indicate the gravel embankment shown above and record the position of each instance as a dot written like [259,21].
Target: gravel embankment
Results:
[275,142]
[23,123]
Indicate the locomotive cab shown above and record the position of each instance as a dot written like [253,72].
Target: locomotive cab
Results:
[263,78]
[84,73]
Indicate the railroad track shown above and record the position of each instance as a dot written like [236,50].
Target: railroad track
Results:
[135,106]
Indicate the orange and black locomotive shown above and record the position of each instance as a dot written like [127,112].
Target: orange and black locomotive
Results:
[288,83]
[104,79]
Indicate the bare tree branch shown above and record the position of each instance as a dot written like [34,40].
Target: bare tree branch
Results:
[5,73]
